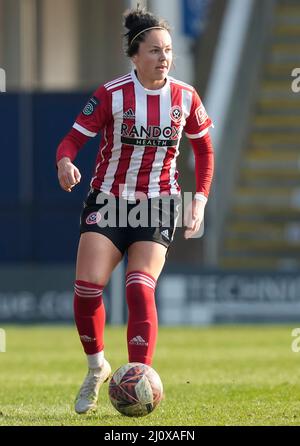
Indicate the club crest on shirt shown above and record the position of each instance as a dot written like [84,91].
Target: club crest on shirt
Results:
[176,113]
[93,218]
[90,106]
[201,114]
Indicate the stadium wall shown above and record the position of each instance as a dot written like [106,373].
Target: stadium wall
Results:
[39,223]
[35,294]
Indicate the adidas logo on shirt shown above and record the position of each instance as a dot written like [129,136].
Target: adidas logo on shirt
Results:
[138,340]
[129,114]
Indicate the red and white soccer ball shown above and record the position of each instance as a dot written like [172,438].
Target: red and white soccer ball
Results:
[135,389]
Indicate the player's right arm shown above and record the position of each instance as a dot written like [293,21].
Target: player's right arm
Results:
[88,123]
[68,174]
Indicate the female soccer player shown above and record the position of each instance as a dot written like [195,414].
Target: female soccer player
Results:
[141,116]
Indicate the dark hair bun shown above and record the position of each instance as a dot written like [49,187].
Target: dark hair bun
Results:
[137,20]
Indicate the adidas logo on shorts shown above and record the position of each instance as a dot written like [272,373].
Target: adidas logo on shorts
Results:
[165,233]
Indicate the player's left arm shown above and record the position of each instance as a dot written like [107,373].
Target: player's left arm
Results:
[196,129]
[204,168]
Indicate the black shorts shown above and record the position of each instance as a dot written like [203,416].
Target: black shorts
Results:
[125,222]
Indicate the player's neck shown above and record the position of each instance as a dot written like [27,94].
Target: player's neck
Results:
[149,84]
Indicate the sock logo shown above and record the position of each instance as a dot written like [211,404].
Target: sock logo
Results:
[138,340]
[86,338]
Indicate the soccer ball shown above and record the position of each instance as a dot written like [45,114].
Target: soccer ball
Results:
[135,389]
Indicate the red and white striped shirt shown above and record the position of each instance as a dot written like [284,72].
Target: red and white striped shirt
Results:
[140,134]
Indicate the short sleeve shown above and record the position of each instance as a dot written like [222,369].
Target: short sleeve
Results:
[198,120]
[95,114]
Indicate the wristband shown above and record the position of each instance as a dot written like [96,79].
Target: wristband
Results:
[200,197]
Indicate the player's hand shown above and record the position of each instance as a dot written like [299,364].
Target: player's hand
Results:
[193,217]
[68,174]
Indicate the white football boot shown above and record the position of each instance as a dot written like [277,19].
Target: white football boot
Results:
[87,397]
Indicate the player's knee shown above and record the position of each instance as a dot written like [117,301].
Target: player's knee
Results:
[91,277]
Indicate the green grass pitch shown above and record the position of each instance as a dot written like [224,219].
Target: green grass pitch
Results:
[224,375]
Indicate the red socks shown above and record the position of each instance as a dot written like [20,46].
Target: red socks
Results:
[142,321]
[89,313]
